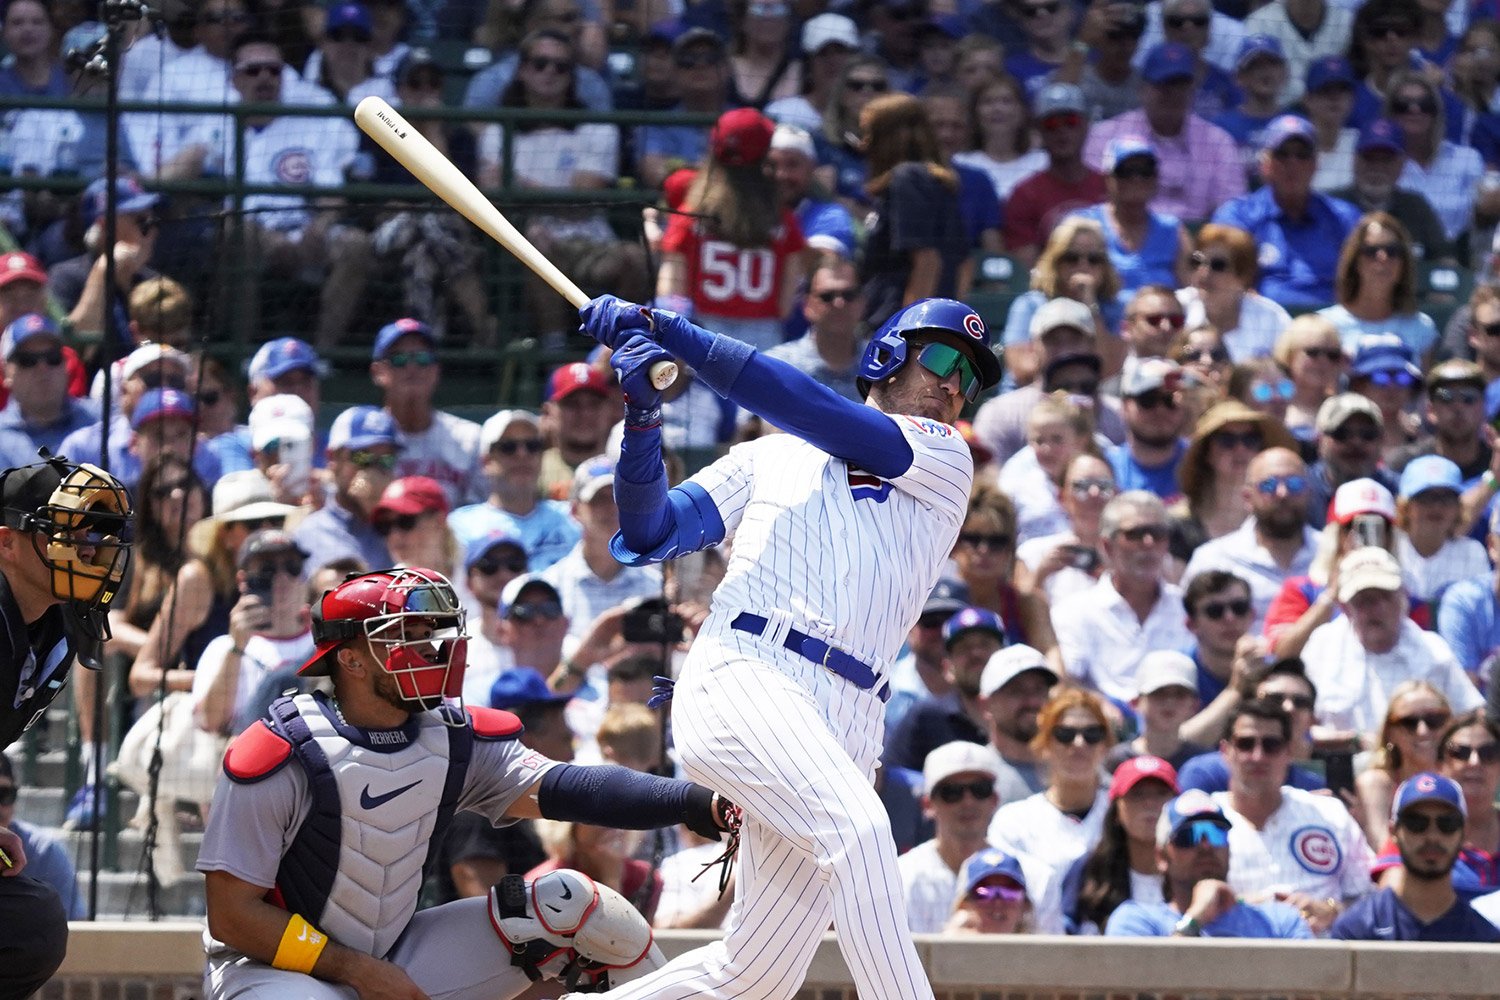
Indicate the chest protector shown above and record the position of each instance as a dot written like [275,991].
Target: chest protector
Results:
[381,802]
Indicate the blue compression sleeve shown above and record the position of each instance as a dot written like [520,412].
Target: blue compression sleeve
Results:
[609,795]
[788,398]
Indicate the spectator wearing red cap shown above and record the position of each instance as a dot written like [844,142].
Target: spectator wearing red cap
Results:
[41,411]
[412,517]
[734,264]
[580,409]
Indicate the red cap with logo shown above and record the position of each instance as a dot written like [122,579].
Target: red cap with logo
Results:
[412,495]
[574,378]
[21,266]
[741,137]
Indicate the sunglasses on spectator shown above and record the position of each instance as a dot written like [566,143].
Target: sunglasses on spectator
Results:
[1216,610]
[255,524]
[1367,434]
[1072,258]
[874,86]
[210,397]
[1269,745]
[1294,484]
[548,610]
[1490,329]
[1265,392]
[943,360]
[259,69]
[1203,356]
[8,795]
[934,620]
[1392,29]
[541,64]
[531,446]
[1081,488]
[1200,833]
[1298,702]
[419,358]
[401,522]
[159,379]
[370,459]
[1155,399]
[290,566]
[1390,251]
[1136,171]
[1061,120]
[997,891]
[347,35]
[1464,397]
[1409,107]
[828,298]
[1293,151]
[696,60]
[1040,9]
[1326,353]
[1180,21]
[26,359]
[1432,720]
[1252,440]
[489,567]
[995,542]
[1173,320]
[1464,753]
[1069,735]
[1447,824]
[1141,532]
[1385,379]
[982,789]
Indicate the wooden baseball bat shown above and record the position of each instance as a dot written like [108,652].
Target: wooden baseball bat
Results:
[411,149]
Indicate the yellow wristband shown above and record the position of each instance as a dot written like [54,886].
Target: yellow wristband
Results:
[301,944]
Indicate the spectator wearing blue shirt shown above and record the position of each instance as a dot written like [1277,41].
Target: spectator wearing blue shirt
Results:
[1350,430]
[1418,901]
[1154,421]
[31,69]
[1192,838]
[362,449]
[703,85]
[47,859]
[1376,289]
[1260,73]
[1146,247]
[1048,27]
[1300,231]
[285,366]
[1468,618]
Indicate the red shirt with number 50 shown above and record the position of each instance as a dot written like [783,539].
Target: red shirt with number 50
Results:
[729,280]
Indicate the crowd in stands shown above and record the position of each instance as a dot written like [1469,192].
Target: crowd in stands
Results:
[1215,652]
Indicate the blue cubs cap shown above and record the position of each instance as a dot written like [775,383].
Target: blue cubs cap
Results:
[349,15]
[1428,787]
[1382,133]
[283,355]
[886,352]
[522,687]
[987,864]
[666,31]
[1382,352]
[1256,47]
[947,595]
[1190,805]
[1057,98]
[972,619]
[392,332]
[130,198]
[1167,62]
[1123,147]
[1285,128]
[1430,472]
[26,328]
[1330,71]
[363,427]
[480,547]
[159,404]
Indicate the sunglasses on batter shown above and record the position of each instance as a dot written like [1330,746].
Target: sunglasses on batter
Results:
[943,360]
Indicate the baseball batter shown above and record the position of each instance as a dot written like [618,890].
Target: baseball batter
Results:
[840,528]
[330,810]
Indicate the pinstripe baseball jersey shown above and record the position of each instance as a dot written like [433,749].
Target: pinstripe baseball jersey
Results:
[1310,844]
[850,557]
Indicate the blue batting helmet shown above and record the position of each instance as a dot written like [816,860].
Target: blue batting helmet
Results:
[886,352]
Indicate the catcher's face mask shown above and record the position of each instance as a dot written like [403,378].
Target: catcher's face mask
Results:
[82,533]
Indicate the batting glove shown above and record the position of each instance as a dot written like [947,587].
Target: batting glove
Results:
[612,321]
[632,361]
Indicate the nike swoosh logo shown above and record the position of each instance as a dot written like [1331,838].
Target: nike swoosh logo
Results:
[567,893]
[368,801]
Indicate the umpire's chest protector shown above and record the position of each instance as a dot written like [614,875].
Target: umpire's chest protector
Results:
[380,802]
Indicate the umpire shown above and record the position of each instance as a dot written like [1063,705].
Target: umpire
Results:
[64,546]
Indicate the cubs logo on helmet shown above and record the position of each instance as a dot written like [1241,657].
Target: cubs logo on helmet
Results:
[886,353]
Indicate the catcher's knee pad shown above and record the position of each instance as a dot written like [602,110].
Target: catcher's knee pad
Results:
[566,910]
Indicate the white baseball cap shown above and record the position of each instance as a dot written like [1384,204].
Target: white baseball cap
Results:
[496,426]
[274,416]
[1369,568]
[795,138]
[1009,663]
[1164,668]
[829,29]
[958,757]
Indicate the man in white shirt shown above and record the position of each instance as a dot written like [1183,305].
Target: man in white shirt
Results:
[1284,843]
[1358,658]
[1307,31]
[1275,543]
[1012,690]
[1104,631]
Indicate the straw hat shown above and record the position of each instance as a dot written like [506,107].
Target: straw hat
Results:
[1194,462]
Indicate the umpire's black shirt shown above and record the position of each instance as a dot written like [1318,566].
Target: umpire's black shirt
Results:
[34,662]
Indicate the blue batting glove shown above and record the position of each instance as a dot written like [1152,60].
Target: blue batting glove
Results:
[632,361]
[612,321]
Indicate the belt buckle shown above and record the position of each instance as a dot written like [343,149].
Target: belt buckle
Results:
[827,652]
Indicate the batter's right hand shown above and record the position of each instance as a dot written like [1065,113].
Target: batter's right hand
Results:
[611,320]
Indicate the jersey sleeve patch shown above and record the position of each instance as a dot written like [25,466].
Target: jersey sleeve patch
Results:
[256,753]
[932,428]
[493,724]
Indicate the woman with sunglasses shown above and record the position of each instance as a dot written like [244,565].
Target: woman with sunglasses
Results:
[1263,385]
[1206,368]
[1384,370]
[1433,551]
[1074,264]
[1001,144]
[1375,283]
[1122,864]
[1312,356]
[1065,820]
[1221,275]
[1212,473]
[1468,751]
[215,393]
[1073,560]
[986,559]
[840,146]
[1146,247]
[1407,744]
[1446,172]
[994,898]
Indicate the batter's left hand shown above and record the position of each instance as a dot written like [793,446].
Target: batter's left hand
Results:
[632,362]
[612,321]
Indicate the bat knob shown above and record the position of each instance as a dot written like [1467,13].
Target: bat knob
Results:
[663,374]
